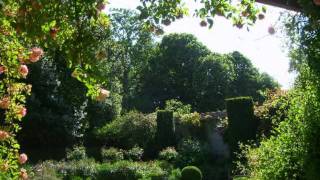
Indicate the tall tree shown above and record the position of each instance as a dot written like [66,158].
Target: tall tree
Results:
[136,43]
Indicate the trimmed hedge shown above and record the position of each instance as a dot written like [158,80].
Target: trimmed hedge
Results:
[191,173]
[165,135]
[242,125]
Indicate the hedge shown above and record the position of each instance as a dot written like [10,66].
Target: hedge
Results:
[242,125]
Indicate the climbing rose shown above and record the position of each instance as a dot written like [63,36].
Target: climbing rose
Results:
[316,2]
[103,94]
[23,174]
[23,158]
[23,112]
[2,69]
[4,103]
[3,135]
[23,70]
[36,54]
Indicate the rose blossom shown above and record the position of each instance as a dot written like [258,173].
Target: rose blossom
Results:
[23,70]
[103,94]
[4,103]
[23,158]
[2,69]
[3,135]
[23,111]
[36,54]
[316,2]
[23,174]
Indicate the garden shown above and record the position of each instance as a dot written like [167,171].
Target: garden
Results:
[91,92]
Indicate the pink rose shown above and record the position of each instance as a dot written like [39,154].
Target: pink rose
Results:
[103,94]
[2,69]
[23,112]
[316,2]
[4,103]
[24,70]
[36,54]
[3,135]
[23,158]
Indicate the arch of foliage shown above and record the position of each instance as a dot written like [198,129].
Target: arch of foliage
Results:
[31,29]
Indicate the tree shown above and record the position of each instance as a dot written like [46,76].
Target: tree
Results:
[137,44]
[248,80]
[212,80]
[169,75]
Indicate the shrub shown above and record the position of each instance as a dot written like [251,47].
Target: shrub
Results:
[76,153]
[111,154]
[177,107]
[134,153]
[175,174]
[129,130]
[191,173]
[191,151]
[169,154]
[83,168]
[241,123]
[188,125]
[273,111]
[45,170]
[128,170]
[165,135]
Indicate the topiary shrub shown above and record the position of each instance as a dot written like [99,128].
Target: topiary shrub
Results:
[111,154]
[165,135]
[242,125]
[191,173]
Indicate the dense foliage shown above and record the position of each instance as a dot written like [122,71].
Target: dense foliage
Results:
[291,152]
[83,53]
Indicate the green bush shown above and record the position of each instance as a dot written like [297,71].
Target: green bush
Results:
[169,154]
[165,135]
[177,107]
[76,153]
[134,153]
[191,151]
[111,154]
[191,173]
[86,168]
[175,174]
[44,170]
[241,122]
[131,129]
[128,170]
[188,125]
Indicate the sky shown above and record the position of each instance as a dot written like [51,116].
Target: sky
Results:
[267,52]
